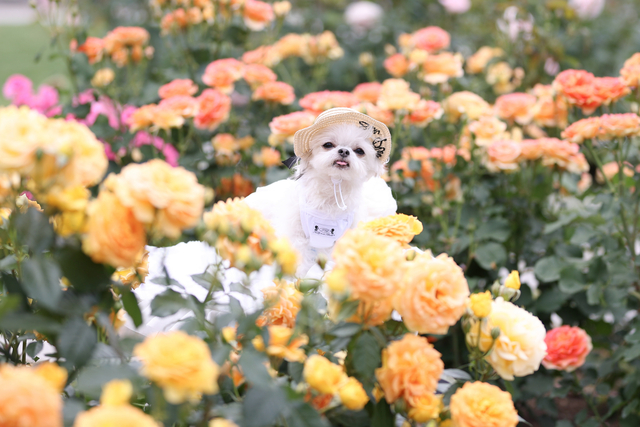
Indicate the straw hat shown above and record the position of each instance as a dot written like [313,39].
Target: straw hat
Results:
[381,139]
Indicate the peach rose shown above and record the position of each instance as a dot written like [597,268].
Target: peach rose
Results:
[464,103]
[385,116]
[531,149]
[479,404]
[411,368]
[487,129]
[142,117]
[397,95]
[213,109]
[424,113]
[400,227]
[257,14]
[318,102]
[441,67]
[114,235]
[610,89]
[222,73]
[431,39]
[515,107]
[368,92]
[167,118]
[321,47]
[120,415]
[165,198]
[282,302]
[292,45]
[125,36]
[266,55]
[611,169]
[434,296]
[372,264]
[258,74]
[503,155]
[567,348]
[284,127]
[93,47]
[397,65]
[373,313]
[630,71]
[548,111]
[267,157]
[180,105]
[557,152]
[619,125]
[479,60]
[277,92]
[178,87]
[577,132]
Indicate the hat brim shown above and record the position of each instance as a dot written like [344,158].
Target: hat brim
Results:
[381,139]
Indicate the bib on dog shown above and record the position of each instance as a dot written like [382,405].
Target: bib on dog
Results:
[323,231]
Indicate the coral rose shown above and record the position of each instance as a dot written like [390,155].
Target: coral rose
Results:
[178,87]
[397,65]
[318,102]
[93,47]
[548,111]
[567,348]
[531,149]
[479,60]
[28,399]
[257,74]
[282,303]
[630,71]
[487,129]
[180,364]
[284,127]
[610,89]
[557,152]
[123,416]
[479,404]
[515,107]
[579,88]
[352,395]
[322,375]
[114,235]
[503,155]
[180,105]
[277,92]
[577,132]
[519,348]
[399,227]
[431,39]
[368,92]
[464,103]
[411,368]
[167,199]
[424,113]
[374,264]
[213,109]
[434,296]
[441,67]
[619,125]
[257,14]
[222,73]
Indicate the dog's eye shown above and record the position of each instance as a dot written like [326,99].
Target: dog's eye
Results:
[328,145]
[359,151]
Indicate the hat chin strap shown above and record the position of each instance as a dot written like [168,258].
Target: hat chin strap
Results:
[338,182]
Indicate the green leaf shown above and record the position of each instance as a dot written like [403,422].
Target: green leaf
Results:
[206,280]
[561,222]
[8,263]
[91,379]
[34,348]
[167,303]
[84,274]
[451,375]
[76,341]
[130,303]
[491,255]
[252,364]
[366,357]
[72,407]
[382,415]
[547,269]
[343,330]
[8,304]
[262,406]
[571,280]
[632,353]
[495,229]
[41,281]
[301,414]
[166,281]
[347,309]
[34,230]
[239,287]
[29,322]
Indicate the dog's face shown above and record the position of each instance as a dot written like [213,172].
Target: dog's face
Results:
[344,152]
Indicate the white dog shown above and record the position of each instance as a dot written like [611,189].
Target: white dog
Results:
[336,184]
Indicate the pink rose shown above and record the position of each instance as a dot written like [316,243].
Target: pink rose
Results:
[567,348]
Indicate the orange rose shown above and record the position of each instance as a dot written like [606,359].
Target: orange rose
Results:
[503,155]
[236,186]
[567,348]
[277,92]
[257,14]
[169,115]
[282,303]
[93,47]
[284,127]
[165,198]
[258,74]
[292,45]
[467,103]
[318,102]
[441,67]
[411,368]
[558,152]
[630,72]
[373,313]
[619,125]
[265,55]
[577,132]
[431,39]
[531,149]
[434,296]
[515,107]
[125,36]
[397,65]
[610,89]
[424,113]
[479,404]
[547,111]
[479,60]
[142,118]
[114,235]
[368,92]
[282,344]
[184,106]
[213,109]
[446,154]
[178,87]
[579,88]
[267,157]
[487,129]
[400,227]
[221,74]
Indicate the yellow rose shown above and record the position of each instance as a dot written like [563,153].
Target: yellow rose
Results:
[479,60]
[179,363]
[53,374]
[513,280]
[27,398]
[116,393]
[221,422]
[425,408]
[322,375]
[103,77]
[22,132]
[167,199]
[229,333]
[133,276]
[352,395]
[397,95]
[69,199]
[285,255]
[114,236]
[399,227]
[464,103]
[480,304]
[520,347]
[480,404]
[282,345]
[121,416]
[337,280]
[282,303]
[439,68]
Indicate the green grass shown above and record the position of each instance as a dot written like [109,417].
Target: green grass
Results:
[18,50]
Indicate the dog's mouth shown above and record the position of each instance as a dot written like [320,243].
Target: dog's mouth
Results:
[341,164]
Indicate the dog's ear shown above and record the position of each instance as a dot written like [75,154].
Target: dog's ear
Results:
[301,165]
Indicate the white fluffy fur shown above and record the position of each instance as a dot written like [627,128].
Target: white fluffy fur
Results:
[364,192]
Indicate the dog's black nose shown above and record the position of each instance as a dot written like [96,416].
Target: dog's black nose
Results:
[343,152]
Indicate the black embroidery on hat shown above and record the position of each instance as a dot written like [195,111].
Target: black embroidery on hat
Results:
[379,147]
[376,131]
[364,125]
